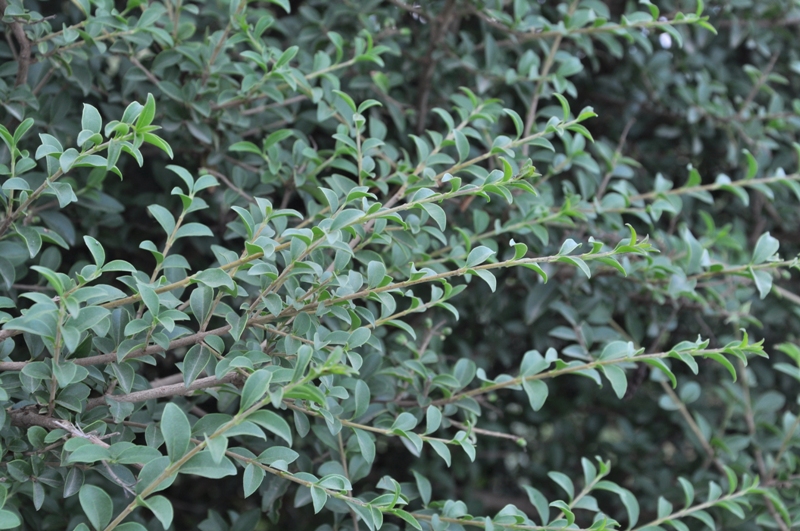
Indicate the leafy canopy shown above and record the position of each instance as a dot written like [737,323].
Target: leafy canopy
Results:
[354,256]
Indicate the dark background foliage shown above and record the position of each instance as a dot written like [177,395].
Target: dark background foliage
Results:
[662,109]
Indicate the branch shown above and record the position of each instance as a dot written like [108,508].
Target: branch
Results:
[439,27]
[178,389]
[749,417]
[138,64]
[24,55]
[224,178]
[530,119]
[694,427]
[760,83]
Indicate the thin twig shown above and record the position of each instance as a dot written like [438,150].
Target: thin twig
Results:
[607,177]
[698,433]
[760,83]
[153,79]
[749,417]
[222,177]
[284,103]
[438,30]
[488,433]
[343,458]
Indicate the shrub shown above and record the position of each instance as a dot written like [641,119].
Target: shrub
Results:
[363,253]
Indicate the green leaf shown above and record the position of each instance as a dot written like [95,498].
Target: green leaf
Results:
[148,113]
[345,218]
[538,500]
[318,497]
[161,508]
[164,218]
[347,99]
[52,278]
[217,446]
[9,520]
[203,465]
[660,365]
[193,230]
[376,271]
[763,281]
[436,213]
[627,498]
[150,299]
[617,377]
[488,277]
[91,119]
[96,249]
[89,453]
[752,164]
[462,145]
[423,487]
[478,255]
[366,445]
[151,471]
[215,278]
[564,105]
[441,449]
[37,370]
[132,112]
[407,517]
[97,505]
[766,246]
[176,431]
[518,125]
[433,419]
[159,143]
[246,147]
[22,128]
[306,392]
[255,388]
[304,354]
[362,397]
[65,371]
[32,238]
[194,363]
[537,392]
[722,360]
[273,422]
[283,3]
[564,482]
[200,302]
[252,479]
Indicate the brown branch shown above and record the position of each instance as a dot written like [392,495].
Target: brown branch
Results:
[760,83]
[111,357]
[24,55]
[488,433]
[617,153]
[42,82]
[153,79]
[530,119]
[222,177]
[439,28]
[768,23]
[178,389]
[28,417]
[698,433]
[749,417]
[262,108]
[167,380]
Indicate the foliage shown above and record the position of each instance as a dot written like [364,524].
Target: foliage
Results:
[340,265]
